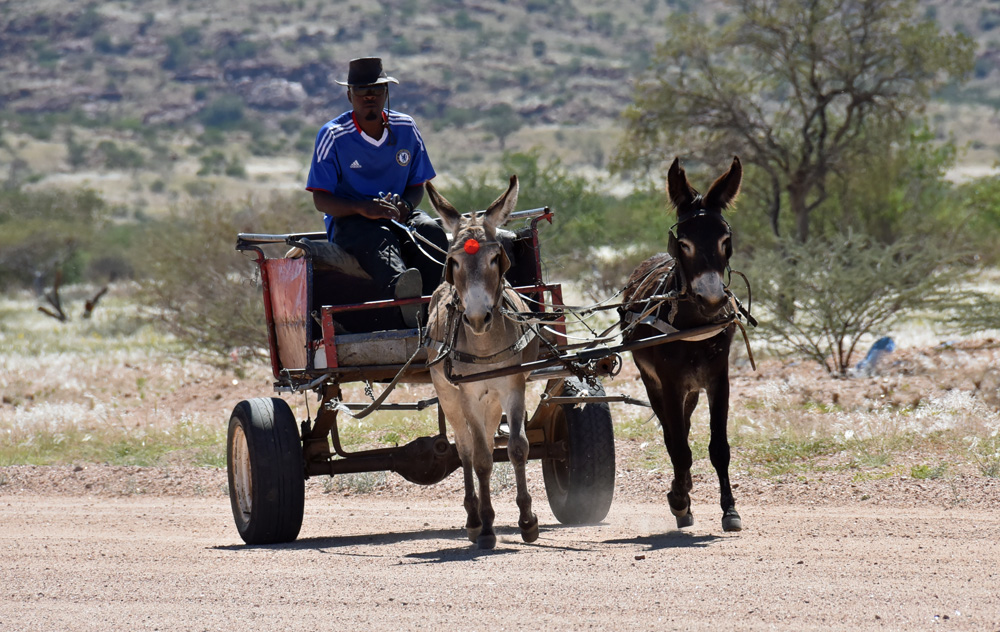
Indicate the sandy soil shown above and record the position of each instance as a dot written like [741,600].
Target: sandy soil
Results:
[96,547]
[99,548]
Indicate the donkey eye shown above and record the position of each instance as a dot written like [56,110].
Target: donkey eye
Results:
[726,246]
[495,261]
[687,247]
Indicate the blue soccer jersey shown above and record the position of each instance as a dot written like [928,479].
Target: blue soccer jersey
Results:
[350,164]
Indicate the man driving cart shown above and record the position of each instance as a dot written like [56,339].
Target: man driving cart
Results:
[368,171]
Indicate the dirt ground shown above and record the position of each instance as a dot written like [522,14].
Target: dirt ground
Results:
[104,548]
[99,547]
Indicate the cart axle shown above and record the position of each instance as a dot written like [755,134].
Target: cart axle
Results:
[425,461]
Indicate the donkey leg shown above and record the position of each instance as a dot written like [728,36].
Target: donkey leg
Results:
[466,452]
[484,468]
[481,453]
[718,451]
[465,442]
[517,451]
[673,411]
[473,523]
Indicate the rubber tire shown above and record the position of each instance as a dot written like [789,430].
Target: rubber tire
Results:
[581,487]
[263,438]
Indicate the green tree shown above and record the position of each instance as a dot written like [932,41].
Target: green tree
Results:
[586,218]
[116,157]
[76,152]
[179,56]
[216,163]
[977,206]
[224,113]
[797,89]
[502,121]
[898,192]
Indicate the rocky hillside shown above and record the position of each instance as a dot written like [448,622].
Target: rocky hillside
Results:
[135,84]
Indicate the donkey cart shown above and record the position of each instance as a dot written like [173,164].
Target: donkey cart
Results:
[324,331]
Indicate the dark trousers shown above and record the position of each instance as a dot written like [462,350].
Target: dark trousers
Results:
[385,251]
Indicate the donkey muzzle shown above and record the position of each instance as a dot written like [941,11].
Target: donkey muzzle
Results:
[478,323]
[709,291]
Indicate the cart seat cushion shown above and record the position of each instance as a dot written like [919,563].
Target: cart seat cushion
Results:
[329,256]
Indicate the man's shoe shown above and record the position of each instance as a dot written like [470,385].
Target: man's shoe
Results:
[409,285]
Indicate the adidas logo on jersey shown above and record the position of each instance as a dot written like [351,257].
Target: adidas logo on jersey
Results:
[355,165]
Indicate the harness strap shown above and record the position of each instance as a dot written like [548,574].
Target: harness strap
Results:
[382,396]
[469,358]
[417,238]
[454,354]
[663,326]
[746,340]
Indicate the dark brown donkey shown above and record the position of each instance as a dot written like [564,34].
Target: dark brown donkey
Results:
[682,291]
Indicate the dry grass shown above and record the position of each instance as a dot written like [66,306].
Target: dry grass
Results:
[930,410]
[106,390]
[116,390]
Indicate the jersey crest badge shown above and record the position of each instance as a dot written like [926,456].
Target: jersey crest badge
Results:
[403,157]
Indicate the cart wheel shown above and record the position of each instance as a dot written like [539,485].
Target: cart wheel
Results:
[581,486]
[266,471]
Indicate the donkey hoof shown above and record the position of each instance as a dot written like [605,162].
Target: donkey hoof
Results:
[731,521]
[685,517]
[687,520]
[529,533]
[474,533]
[486,541]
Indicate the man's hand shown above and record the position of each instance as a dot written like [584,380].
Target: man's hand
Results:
[378,209]
[389,206]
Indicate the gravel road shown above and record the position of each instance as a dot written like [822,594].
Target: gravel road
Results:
[894,555]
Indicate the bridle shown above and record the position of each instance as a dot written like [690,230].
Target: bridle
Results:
[503,305]
[481,247]
[646,309]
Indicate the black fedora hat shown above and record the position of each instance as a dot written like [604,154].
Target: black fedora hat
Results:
[366,71]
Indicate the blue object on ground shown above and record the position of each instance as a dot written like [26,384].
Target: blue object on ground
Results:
[880,348]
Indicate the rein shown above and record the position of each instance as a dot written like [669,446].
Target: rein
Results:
[417,238]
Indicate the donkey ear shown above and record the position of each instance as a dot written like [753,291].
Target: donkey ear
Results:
[723,191]
[678,188]
[498,212]
[445,210]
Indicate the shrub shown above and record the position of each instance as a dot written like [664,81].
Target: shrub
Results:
[77,153]
[821,297]
[179,55]
[116,157]
[290,125]
[44,231]
[104,44]
[88,22]
[216,163]
[201,288]
[237,48]
[224,113]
